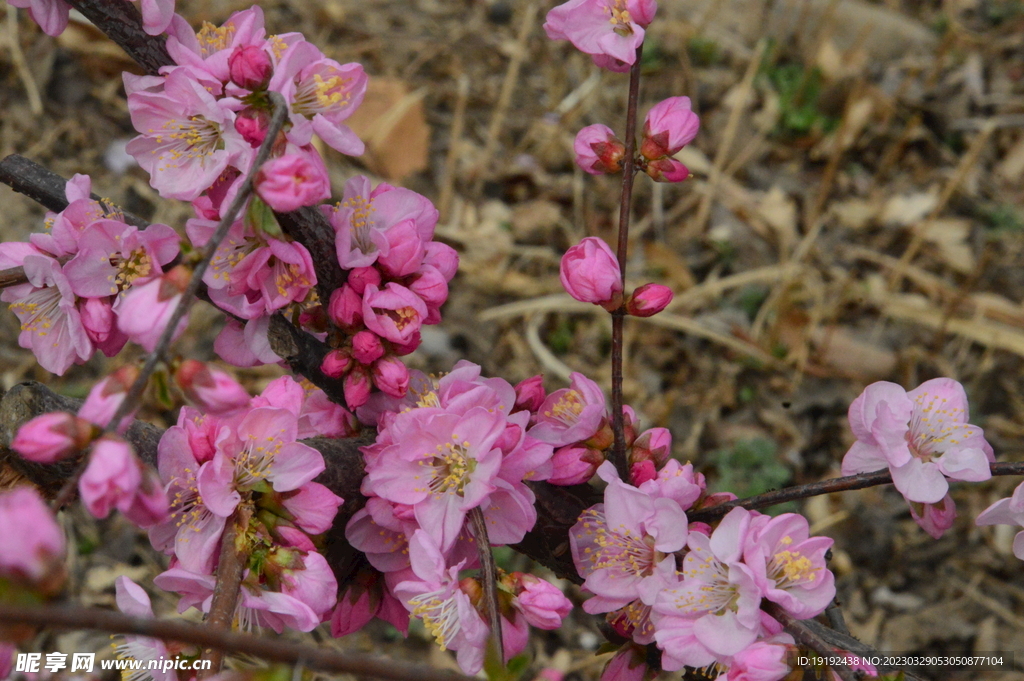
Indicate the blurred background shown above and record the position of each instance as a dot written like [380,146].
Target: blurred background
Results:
[855,213]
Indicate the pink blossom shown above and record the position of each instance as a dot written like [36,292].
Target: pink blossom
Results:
[33,545]
[598,150]
[922,436]
[572,414]
[336,363]
[156,15]
[405,250]
[188,138]
[934,519]
[51,15]
[112,477]
[628,664]
[648,300]
[252,124]
[50,437]
[100,324]
[670,125]
[365,598]
[602,28]
[1009,511]
[590,273]
[210,388]
[394,313]
[760,661]
[146,310]
[312,507]
[51,326]
[677,482]
[112,256]
[667,170]
[443,258]
[290,182]
[132,600]
[250,67]
[359,277]
[210,50]
[530,393]
[106,397]
[367,347]
[391,376]
[542,603]
[447,612]
[381,530]
[789,564]
[574,464]
[245,345]
[346,307]
[619,546]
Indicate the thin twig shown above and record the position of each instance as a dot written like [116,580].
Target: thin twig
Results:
[478,524]
[270,649]
[444,204]
[230,569]
[813,489]
[134,394]
[35,102]
[618,316]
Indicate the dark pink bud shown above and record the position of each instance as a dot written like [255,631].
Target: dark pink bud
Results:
[359,277]
[598,150]
[252,125]
[530,393]
[367,347]
[346,308]
[391,376]
[670,125]
[336,363]
[50,437]
[667,170]
[642,471]
[648,300]
[250,67]
[590,273]
[443,257]
[357,388]
[403,349]
[574,465]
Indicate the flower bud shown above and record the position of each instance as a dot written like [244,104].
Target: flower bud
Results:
[391,376]
[648,300]
[542,603]
[111,478]
[210,388]
[667,170]
[367,347]
[590,273]
[106,396]
[252,124]
[33,545]
[598,150]
[100,324]
[357,388]
[574,465]
[443,257]
[146,310]
[670,125]
[250,67]
[653,445]
[642,471]
[346,307]
[359,277]
[530,394]
[336,363]
[290,182]
[50,437]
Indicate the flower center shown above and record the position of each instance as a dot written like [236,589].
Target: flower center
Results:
[439,613]
[622,551]
[38,309]
[253,463]
[788,568]
[213,39]
[452,466]
[619,18]
[320,95]
[187,139]
[567,409]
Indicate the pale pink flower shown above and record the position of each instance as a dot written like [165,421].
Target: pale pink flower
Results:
[188,138]
[619,545]
[611,29]
[210,388]
[291,181]
[245,345]
[1009,511]
[667,170]
[51,15]
[541,602]
[715,611]
[598,150]
[572,414]
[670,125]
[50,437]
[446,611]
[64,228]
[209,51]
[112,477]
[132,600]
[789,564]
[381,530]
[590,273]
[760,661]
[394,312]
[33,545]
[678,482]
[51,325]
[648,300]
[922,436]
[146,310]
[312,507]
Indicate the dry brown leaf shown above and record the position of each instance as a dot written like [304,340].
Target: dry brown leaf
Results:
[949,236]
[779,211]
[855,213]
[391,122]
[906,209]
[843,350]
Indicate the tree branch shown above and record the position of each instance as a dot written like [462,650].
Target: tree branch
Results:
[121,21]
[304,354]
[271,649]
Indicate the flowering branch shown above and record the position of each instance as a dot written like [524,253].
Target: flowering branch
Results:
[618,316]
[230,570]
[273,650]
[478,525]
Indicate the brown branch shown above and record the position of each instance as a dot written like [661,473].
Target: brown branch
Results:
[121,21]
[618,455]
[271,649]
[813,489]
[230,568]
[304,354]
[478,526]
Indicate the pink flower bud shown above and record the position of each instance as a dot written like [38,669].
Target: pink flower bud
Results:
[574,465]
[252,125]
[357,388]
[250,67]
[106,396]
[642,471]
[391,376]
[667,170]
[598,150]
[291,182]
[703,528]
[336,363]
[346,307]
[530,393]
[146,310]
[670,125]
[367,347]
[33,545]
[590,273]
[648,300]
[149,507]
[443,257]
[50,437]
[542,603]
[101,326]
[653,445]
[430,285]
[403,349]
[209,388]
[405,250]
[359,277]
[111,478]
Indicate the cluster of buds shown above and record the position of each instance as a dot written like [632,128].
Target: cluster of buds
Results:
[590,273]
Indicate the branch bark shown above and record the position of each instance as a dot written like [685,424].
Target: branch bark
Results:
[121,21]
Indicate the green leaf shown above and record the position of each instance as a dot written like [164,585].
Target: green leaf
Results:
[260,217]
[162,388]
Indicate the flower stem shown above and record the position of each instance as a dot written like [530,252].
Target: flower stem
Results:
[618,316]
[230,569]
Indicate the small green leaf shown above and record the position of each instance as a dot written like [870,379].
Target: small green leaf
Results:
[260,217]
